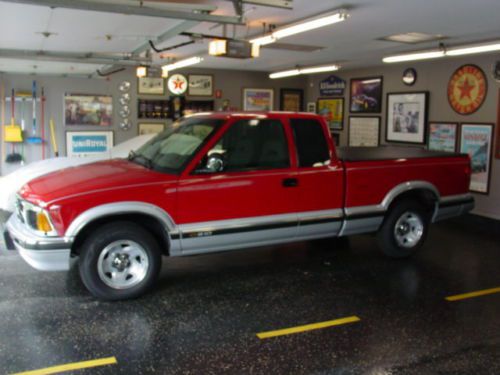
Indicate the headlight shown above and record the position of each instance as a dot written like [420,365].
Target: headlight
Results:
[35,217]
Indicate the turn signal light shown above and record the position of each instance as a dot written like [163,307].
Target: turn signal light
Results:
[42,222]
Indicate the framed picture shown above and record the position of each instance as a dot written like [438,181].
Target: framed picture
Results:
[258,99]
[88,110]
[364,131]
[151,128]
[292,100]
[332,109]
[311,107]
[366,95]
[88,143]
[200,85]
[153,109]
[476,140]
[406,117]
[151,86]
[443,136]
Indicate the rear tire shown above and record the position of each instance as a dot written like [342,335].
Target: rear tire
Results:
[120,260]
[404,229]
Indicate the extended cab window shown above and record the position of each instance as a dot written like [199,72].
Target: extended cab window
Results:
[312,149]
[249,145]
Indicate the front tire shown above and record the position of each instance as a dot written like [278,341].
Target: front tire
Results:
[120,260]
[404,229]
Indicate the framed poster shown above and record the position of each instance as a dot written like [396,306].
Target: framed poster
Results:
[258,99]
[149,109]
[200,85]
[88,110]
[332,109]
[364,131]
[311,107]
[151,86]
[467,89]
[292,100]
[406,117]
[151,128]
[366,95]
[497,153]
[88,143]
[443,136]
[476,140]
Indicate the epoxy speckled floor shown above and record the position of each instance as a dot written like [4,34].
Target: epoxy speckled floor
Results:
[203,316]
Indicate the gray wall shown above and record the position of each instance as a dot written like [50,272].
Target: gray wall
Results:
[433,76]
[231,82]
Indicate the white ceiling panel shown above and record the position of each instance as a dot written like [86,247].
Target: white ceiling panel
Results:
[353,42]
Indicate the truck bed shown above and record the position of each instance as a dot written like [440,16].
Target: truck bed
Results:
[354,154]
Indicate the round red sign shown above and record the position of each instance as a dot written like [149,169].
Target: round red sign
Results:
[467,89]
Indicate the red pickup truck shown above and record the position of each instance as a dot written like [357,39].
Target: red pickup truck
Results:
[227,181]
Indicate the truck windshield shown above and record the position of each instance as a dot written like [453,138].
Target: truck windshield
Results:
[170,150]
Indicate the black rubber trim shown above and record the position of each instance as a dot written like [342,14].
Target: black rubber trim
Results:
[175,236]
[38,246]
[253,228]
[365,216]
[456,203]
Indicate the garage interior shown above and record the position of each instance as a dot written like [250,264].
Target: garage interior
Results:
[327,306]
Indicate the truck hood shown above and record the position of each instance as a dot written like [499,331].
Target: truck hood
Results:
[87,179]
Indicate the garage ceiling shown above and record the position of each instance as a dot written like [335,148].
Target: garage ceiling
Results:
[355,42]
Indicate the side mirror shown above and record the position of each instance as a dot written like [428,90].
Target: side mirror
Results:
[214,164]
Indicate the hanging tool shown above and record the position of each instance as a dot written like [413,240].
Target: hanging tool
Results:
[53,138]
[42,122]
[13,133]
[34,139]
[23,126]
[2,107]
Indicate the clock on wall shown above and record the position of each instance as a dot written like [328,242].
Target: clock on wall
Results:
[409,77]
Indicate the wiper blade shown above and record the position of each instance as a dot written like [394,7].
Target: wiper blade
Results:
[148,163]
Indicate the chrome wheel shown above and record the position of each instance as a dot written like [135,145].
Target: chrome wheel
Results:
[122,264]
[409,229]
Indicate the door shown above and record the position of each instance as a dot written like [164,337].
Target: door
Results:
[247,198]
[320,181]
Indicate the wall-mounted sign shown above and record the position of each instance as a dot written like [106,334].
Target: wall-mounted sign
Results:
[177,84]
[88,143]
[467,89]
[332,86]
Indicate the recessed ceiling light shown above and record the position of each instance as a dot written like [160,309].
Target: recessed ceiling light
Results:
[413,38]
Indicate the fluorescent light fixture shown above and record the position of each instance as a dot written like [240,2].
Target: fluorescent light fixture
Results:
[456,51]
[414,56]
[308,70]
[182,64]
[217,47]
[141,71]
[467,50]
[285,73]
[319,69]
[338,16]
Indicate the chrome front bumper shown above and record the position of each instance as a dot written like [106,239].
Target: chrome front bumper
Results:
[42,253]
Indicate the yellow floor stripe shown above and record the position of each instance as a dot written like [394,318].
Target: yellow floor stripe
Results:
[71,366]
[308,327]
[479,293]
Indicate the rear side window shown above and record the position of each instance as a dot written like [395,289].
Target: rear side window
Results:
[312,149]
